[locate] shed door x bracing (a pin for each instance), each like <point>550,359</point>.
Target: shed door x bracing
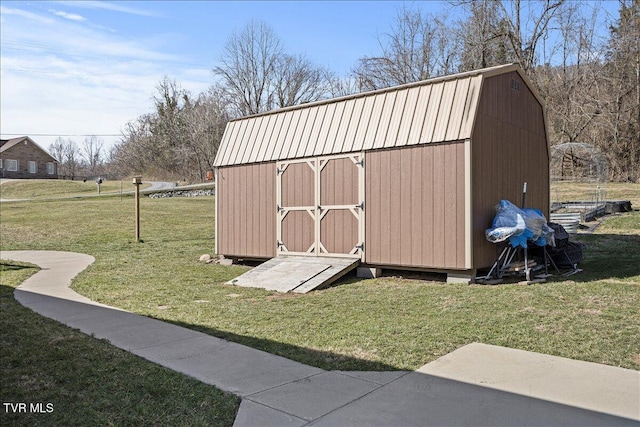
<point>320,204</point>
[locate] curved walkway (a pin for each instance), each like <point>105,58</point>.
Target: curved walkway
<point>475,385</point>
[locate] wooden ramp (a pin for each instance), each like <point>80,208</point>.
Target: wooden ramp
<point>299,274</point>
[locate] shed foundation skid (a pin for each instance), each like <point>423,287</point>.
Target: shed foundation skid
<point>368,272</point>
<point>463,278</point>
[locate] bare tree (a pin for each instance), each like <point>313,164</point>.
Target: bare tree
<point>622,106</point>
<point>526,24</point>
<point>572,88</point>
<point>179,140</point>
<point>298,81</point>
<point>56,148</point>
<point>257,75</point>
<point>205,122</point>
<point>92,154</point>
<point>136,151</point>
<point>482,35</point>
<point>417,47</point>
<point>247,67</point>
<point>343,86</point>
<point>502,31</point>
<point>67,153</point>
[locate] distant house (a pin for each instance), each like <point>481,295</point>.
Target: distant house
<point>23,158</point>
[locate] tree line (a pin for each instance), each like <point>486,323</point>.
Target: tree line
<point>84,161</point>
<point>588,77</point>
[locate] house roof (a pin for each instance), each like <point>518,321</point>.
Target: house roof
<point>430,111</point>
<point>6,144</point>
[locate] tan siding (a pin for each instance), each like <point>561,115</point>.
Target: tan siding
<point>298,231</point>
<point>246,211</point>
<point>373,212</point>
<point>339,183</point>
<point>418,218</point>
<point>509,148</point>
<point>414,216</point>
<point>426,204</point>
<point>298,191</point>
<point>390,189</point>
<point>461,214</point>
<point>439,213</point>
<point>298,186</point>
<point>339,231</point>
<point>405,199</point>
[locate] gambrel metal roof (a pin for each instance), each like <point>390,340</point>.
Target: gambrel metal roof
<point>429,111</point>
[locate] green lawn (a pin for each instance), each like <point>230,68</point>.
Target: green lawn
<point>82,381</point>
<point>380,324</point>
<point>573,191</point>
<point>39,189</point>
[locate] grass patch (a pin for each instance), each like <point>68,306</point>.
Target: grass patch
<point>83,381</point>
<point>619,224</point>
<point>581,191</point>
<point>53,188</point>
<point>381,324</point>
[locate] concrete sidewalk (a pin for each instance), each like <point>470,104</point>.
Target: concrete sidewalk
<point>475,385</point>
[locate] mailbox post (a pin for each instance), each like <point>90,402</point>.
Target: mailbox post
<point>137,180</point>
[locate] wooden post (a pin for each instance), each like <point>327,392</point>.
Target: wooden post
<point>137,180</point>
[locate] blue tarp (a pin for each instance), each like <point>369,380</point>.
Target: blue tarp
<point>519,226</point>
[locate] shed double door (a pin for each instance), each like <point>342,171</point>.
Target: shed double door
<point>320,206</point>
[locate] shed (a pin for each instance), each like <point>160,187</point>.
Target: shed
<point>23,158</point>
<point>406,177</point>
